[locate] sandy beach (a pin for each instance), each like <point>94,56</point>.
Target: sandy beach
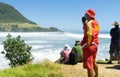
<point>105,70</point>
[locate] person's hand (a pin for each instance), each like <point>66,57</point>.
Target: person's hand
<point>83,19</point>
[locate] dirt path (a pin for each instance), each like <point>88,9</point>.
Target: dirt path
<point>105,70</point>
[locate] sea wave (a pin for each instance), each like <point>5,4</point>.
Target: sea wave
<point>40,46</point>
<point>1,47</point>
<point>51,54</point>
<point>49,44</point>
<point>35,41</point>
<point>49,34</point>
<point>104,36</point>
<point>81,35</point>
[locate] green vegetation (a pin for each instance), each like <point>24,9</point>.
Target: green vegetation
<point>24,27</point>
<point>10,14</point>
<point>12,20</point>
<point>17,51</point>
<point>50,69</point>
<point>44,69</point>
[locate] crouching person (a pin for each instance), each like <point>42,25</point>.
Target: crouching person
<point>65,54</point>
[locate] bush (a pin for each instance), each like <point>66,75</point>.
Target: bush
<point>17,51</point>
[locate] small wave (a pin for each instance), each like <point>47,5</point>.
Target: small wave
<point>1,47</point>
<point>81,35</point>
<point>40,46</point>
<point>104,36</point>
<point>49,34</point>
<point>74,35</point>
<point>31,34</point>
<point>35,41</point>
<point>51,54</point>
<point>3,62</point>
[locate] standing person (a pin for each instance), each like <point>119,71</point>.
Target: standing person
<point>115,42</point>
<point>90,42</point>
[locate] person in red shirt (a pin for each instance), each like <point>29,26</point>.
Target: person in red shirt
<point>90,42</point>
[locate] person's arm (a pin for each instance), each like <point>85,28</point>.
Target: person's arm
<point>62,54</point>
<point>83,20</point>
<point>84,28</point>
<point>111,32</point>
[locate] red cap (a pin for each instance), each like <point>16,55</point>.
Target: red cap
<point>91,13</point>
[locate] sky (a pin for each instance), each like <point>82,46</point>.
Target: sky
<point>66,14</point>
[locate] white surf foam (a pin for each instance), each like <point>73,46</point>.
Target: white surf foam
<point>52,53</point>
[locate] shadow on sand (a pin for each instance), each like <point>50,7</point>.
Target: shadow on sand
<point>114,67</point>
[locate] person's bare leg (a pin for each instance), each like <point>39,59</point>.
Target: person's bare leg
<point>118,58</point>
<point>111,56</point>
<point>90,73</point>
<point>95,68</point>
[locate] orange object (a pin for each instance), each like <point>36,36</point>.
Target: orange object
<point>91,13</point>
<point>89,57</point>
<point>90,43</point>
<point>91,31</point>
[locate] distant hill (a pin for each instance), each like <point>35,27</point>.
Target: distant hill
<point>10,14</point>
<point>12,20</point>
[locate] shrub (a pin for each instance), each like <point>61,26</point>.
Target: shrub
<point>17,51</point>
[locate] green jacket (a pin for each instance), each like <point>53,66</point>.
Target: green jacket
<point>79,52</point>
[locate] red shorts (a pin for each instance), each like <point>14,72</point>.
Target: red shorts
<point>89,56</point>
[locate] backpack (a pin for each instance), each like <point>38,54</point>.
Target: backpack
<point>73,58</point>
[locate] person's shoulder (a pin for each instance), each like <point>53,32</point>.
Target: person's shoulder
<point>95,22</point>
<point>62,51</point>
<point>74,47</point>
<point>77,46</point>
<point>112,29</point>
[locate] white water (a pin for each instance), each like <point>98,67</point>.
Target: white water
<point>48,45</point>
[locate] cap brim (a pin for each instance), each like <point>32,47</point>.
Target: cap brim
<point>90,15</point>
<point>115,25</point>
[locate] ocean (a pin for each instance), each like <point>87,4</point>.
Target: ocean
<point>48,45</point>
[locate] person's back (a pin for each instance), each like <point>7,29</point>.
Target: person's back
<point>65,54</point>
<point>78,50</point>
<point>115,35</point>
<point>73,58</point>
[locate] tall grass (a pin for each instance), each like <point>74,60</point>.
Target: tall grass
<point>44,69</point>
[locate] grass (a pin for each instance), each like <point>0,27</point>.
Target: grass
<point>44,69</point>
<point>50,69</point>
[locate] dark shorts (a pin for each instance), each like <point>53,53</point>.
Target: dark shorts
<point>114,48</point>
